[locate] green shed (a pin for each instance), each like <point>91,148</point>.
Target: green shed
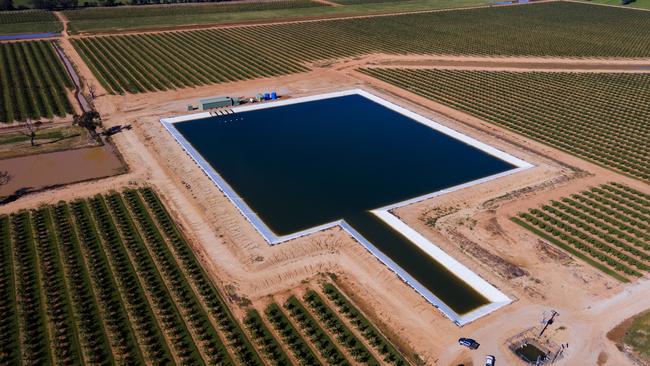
<point>218,102</point>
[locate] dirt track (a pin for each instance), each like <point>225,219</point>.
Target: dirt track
<point>491,63</point>
<point>327,2</point>
<point>518,65</point>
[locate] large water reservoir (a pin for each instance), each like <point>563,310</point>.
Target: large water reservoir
<point>302,165</point>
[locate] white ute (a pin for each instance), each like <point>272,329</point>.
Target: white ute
<point>489,360</point>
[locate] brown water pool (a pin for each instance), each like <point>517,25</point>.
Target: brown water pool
<point>62,167</point>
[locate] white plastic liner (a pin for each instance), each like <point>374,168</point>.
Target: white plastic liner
<point>496,298</point>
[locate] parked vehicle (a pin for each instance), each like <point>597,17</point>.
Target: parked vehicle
<point>469,343</point>
<point>489,360</point>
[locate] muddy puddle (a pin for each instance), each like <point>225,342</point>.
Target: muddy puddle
<point>63,167</point>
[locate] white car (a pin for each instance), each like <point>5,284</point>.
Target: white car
<point>489,360</point>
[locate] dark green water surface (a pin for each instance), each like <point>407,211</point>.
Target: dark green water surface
<point>306,164</point>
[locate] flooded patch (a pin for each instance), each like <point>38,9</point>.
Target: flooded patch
<point>64,167</point>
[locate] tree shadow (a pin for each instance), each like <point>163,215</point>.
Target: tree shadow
<point>58,140</point>
<point>15,196</point>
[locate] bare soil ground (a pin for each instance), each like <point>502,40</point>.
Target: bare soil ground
<point>478,233</point>
<point>494,63</point>
<point>517,65</point>
<point>327,2</point>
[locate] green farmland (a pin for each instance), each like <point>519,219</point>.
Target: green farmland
<point>638,335</point>
<point>606,226</point>
<point>633,335</point>
<point>143,17</point>
<point>33,82</point>
<point>107,20</point>
<point>598,117</point>
<point>315,327</point>
<point>109,280</point>
<point>140,63</point>
<point>639,4</point>
<point>146,62</point>
<point>28,21</point>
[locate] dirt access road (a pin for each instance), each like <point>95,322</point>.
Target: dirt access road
<point>492,63</point>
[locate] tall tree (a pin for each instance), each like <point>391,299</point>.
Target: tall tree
<point>31,127</point>
<point>89,120</point>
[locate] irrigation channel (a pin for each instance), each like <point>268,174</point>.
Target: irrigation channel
<point>26,36</point>
<point>347,159</point>
<point>83,103</point>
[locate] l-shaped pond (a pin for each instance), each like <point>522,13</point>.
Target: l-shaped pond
<point>305,164</point>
